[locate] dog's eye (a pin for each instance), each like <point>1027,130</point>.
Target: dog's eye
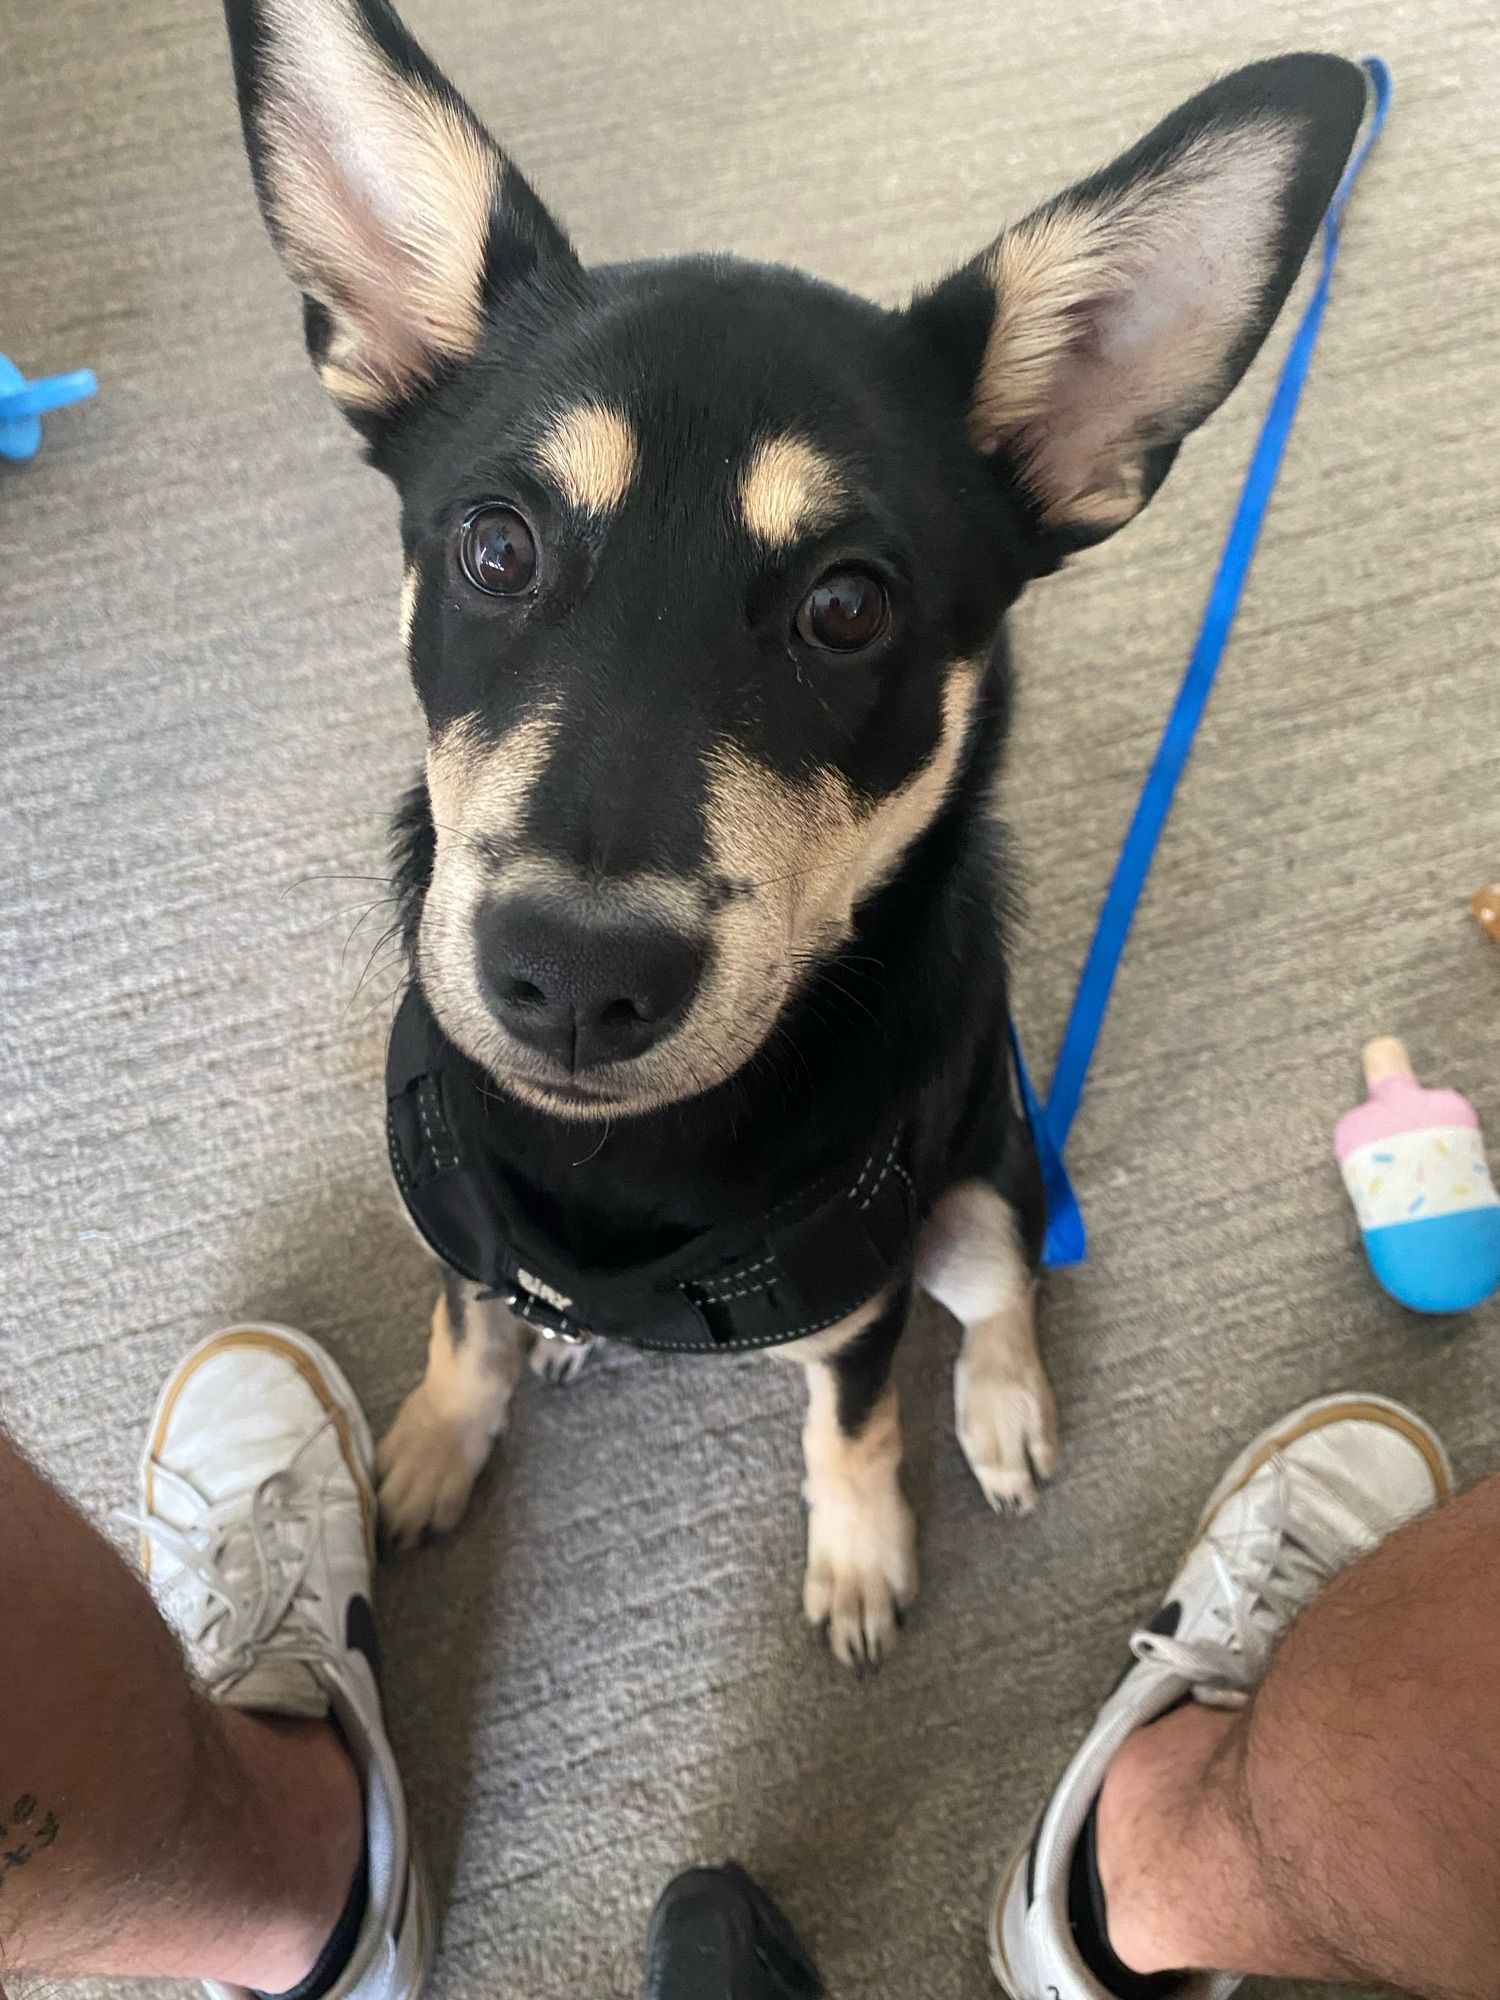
<point>498,552</point>
<point>844,613</point>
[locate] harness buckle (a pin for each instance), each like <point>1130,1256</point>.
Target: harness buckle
<point>549,1320</point>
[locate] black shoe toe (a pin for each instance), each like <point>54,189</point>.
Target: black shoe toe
<point>715,1935</point>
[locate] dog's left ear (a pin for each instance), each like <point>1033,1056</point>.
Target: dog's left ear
<point>1118,316</point>
<point>394,210</point>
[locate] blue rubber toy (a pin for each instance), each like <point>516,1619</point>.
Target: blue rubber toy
<point>23,404</point>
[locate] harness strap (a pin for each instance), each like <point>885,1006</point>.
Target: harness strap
<point>777,1277</point>
<point>1066,1239</point>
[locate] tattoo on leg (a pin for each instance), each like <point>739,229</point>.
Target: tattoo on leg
<point>25,1832</point>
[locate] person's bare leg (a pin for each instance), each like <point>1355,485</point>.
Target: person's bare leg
<point>1277,1781</point>
<point>144,1831</point>
<point>1345,1824</point>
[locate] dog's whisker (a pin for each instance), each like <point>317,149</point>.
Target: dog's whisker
<point>792,875</point>
<point>361,911</point>
<point>378,1003</point>
<point>831,985</point>
<point>308,881</point>
<point>364,917</point>
<point>386,938</point>
<point>599,1146</point>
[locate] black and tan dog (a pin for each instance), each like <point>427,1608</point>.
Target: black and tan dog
<point>706,569</point>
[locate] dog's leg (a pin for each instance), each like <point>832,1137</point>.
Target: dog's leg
<point>430,1457</point>
<point>971,1261</point>
<point>861,1537</point>
<point>560,1361</point>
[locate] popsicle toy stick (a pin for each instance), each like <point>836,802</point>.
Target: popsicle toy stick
<point>1485,903</point>
<point>1383,1057</point>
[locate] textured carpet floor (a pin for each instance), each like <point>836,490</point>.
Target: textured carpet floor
<point>204,720</point>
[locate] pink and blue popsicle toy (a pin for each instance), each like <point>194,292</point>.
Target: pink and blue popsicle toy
<point>1413,1162</point>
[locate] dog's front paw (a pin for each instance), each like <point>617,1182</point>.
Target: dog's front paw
<point>560,1362</point>
<point>861,1574</point>
<point>1007,1420</point>
<point>426,1465</point>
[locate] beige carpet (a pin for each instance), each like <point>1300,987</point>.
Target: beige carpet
<point>204,720</point>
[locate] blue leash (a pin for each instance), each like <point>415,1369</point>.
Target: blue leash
<point>1067,1240</point>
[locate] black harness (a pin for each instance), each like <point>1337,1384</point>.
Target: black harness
<point>780,1276</point>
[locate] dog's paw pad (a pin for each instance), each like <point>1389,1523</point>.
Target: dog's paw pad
<point>560,1362</point>
<point>1007,1428</point>
<point>425,1467</point>
<point>861,1576</point>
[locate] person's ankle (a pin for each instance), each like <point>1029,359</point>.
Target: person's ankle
<point>310,1836</point>
<point>1152,1803</point>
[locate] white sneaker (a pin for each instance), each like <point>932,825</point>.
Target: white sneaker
<point>258,1539</point>
<point>1296,1507</point>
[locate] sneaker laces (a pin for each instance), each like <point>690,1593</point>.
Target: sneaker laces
<point>242,1592</point>
<point>1265,1573</point>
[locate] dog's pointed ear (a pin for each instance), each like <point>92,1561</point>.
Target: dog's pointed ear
<point>1114,319</point>
<point>395,212</point>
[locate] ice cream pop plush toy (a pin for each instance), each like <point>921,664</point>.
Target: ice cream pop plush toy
<point>1414,1165</point>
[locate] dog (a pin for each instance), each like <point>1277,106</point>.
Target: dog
<point>706,572</point>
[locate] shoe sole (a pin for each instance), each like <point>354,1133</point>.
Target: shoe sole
<point>422,1916</point>
<point>318,1370</point>
<point>994,1930</point>
<point>1313,1416</point>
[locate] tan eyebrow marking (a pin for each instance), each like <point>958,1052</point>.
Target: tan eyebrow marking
<point>591,452</point>
<point>787,488</point>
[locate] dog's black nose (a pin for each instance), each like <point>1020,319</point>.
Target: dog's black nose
<point>583,992</point>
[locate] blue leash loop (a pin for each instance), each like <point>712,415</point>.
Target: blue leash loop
<point>1066,1239</point>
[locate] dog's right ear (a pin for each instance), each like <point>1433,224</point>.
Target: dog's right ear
<point>394,210</point>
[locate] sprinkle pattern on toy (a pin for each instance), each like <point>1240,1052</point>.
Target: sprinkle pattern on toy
<point>1438,1172</point>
